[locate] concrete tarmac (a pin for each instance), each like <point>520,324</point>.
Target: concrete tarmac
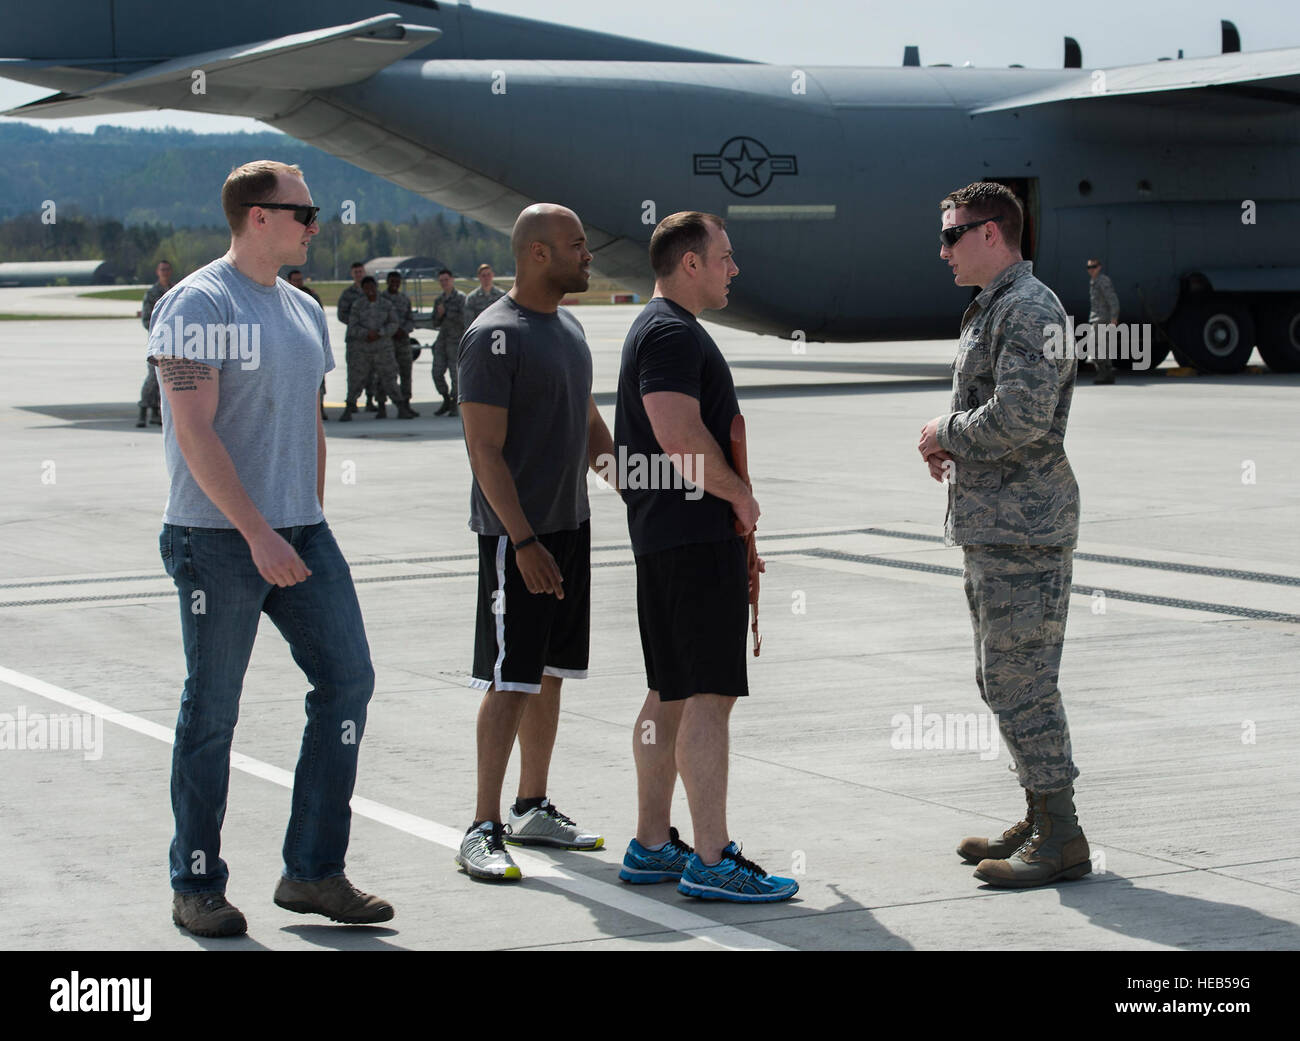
<point>860,760</point>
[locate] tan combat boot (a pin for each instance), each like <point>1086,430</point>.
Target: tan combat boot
<point>973,850</point>
<point>1057,851</point>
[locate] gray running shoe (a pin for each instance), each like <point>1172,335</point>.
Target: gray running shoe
<point>483,855</point>
<point>547,826</point>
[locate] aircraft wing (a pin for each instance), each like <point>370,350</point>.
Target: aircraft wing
<point>1242,81</point>
<point>261,76</point>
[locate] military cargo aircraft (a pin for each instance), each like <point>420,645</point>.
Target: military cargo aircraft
<point>1181,175</point>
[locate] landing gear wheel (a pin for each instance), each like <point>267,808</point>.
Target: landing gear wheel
<point>1278,322</point>
<point>1213,333</point>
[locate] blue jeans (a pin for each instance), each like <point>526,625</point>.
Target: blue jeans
<point>222,599</point>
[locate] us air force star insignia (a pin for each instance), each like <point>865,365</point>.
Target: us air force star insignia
<point>745,166</point>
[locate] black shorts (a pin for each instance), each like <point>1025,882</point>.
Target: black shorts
<point>693,606</point>
<point>521,636</point>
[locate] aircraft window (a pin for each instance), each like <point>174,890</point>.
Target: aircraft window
<point>432,5</point>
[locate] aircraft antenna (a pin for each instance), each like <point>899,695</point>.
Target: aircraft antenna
<point>1231,38</point>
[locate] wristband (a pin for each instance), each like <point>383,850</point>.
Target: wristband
<point>525,542</point>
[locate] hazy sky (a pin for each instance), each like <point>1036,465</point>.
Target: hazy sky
<point>854,32</point>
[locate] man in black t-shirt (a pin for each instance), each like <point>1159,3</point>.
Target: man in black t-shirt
<point>685,502</point>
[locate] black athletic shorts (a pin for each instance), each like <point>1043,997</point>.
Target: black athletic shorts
<point>521,636</point>
<point>693,606</point>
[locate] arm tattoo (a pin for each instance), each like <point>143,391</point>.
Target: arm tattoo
<point>184,374</point>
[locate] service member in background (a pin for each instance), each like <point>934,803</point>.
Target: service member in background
<point>449,320</point>
<point>1013,507</point>
<point>150,396</point>
<point>371,362</point>
<point>347,298</point>
<point>1103,311</point>
<point>401,304</point>
<point>532,431</point>
<point>244,534</point>
<point>294,279</point>
<point>676,401</point>
<point>484,296</point>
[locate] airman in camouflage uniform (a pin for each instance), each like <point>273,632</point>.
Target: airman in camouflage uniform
<point>150,403</point>
<point>1103,309</point>
<point>483,297</point>
<point>1013,505</point>
<point>371,324</point>
<point>449,320</point>
<point>347,298</point>
<point>402,337</point>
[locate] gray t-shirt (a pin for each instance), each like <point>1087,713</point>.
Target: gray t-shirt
<point>271,345</point>
<point>537,366</point>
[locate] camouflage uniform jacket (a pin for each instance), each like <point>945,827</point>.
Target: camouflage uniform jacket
<point>347,298</point>
<point>478,301</point>
<point>1012,484</point>
<point>402,308</point>
<point>451,326</point>
<point>365,317</point>
<point>151,298</point>
<point>1103,304</point>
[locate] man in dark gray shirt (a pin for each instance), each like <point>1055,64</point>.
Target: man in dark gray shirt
<point>532,429</point>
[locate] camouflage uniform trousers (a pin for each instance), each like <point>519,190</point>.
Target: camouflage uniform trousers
<point>1019,597</point>
<point>446,355</point>
<point>372,359</point>
<point>1097,355</point>
<point>402,353</point>
<point>150,394</point>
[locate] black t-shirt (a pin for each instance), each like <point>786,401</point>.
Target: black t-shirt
<point>667,349</point>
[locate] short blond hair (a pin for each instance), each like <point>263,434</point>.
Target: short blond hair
<point>253,182</point>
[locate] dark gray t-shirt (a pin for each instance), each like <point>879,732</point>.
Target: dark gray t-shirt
<point>271,345</point>
<point>537,366</point>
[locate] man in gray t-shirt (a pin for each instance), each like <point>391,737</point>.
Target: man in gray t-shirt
<point>240,355</point>
<point>532,429</point>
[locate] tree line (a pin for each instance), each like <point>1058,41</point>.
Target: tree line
<point>132,251</point>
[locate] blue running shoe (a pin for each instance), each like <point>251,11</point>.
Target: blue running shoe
<point>733,878</point>
<point>641,865</point>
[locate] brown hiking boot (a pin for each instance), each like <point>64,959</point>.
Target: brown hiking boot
<point>334,897</point>
<point>972,850</point>
<point>207,914</point>
<point>1057,852</point>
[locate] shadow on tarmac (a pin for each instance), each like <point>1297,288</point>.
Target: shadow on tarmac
<point>1186,922</point>
<point>787,923</point>
<point>346,937</point>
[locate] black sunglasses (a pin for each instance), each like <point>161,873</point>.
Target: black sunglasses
<point>951,236</point>
<point>304,215</point>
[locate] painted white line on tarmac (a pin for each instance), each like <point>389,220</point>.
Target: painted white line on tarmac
<point>618,897</point>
